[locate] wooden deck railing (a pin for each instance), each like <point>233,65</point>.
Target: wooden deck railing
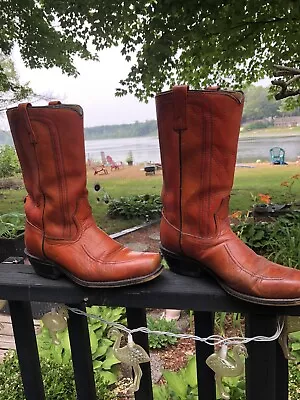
<point>266,368</point>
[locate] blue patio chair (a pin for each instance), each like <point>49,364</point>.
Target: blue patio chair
<point>277,155</point>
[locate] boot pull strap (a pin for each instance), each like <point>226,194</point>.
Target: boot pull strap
<point>54,103</point>
<point>24,113</point>
<point>179,94</point>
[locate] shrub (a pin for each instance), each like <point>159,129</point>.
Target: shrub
<point>279,241</point>
<point>12,225</point>
<point>9,163</point>
<point>160,341</point>
<point>146,207</point>
<point>294,380</point>
<point>182,385</point>
<point>58,381</point>
<point>257,125</point>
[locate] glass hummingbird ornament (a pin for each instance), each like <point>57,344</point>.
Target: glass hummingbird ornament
<point>224,365</point>
<point>2,305</point>
<point>291,324</point>
<point>131,354</point>
<point>56,321</point>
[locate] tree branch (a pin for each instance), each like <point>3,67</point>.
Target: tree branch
<point>294,75</point>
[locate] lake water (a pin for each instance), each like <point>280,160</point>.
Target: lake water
<point>146,149</point>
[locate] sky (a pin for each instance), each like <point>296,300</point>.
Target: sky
<point>93,89</point>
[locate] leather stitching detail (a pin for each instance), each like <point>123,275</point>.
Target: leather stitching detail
<point>246,271</point>
<point>185,233</point>
<point>103,261</point>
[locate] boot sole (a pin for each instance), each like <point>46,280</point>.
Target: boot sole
<point>189,267</point>
<point>51,270</point>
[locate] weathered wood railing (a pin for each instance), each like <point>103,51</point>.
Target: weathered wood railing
<point>266,368</point>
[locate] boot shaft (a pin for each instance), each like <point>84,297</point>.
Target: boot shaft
<point>50,145</point>
<point>198,135</point>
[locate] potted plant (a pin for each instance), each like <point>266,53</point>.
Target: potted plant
<point>12,227</point>
<point>272,210</point>
<point>129,158</point>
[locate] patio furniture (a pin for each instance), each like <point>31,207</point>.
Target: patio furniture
<point>113,165</point>
<point>277,155</point>
<point>99,169</point>
<point>103,158</point>
<point>149,170</point>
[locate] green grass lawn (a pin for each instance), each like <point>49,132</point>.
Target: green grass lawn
<point>265,180</point>
<point>247,180</point>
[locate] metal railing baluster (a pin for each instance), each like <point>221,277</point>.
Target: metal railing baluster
<point>282,375</point>
<point>81,355</point>
<point>27,351</point>
<point>261,363</point>
<point>204,327</point>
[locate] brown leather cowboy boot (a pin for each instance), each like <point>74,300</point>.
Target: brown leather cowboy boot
<point>61,235</point>
<point>198,133</point>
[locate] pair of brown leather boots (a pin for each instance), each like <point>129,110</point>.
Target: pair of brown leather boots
<point>198,133</point>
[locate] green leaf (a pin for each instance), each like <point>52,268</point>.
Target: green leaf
<point>190,374</point>
<point>97,364</point>
<point>101,350</point>
<point>109,362</point>
<point>93,340</point>
<point>161,392</point>
<point>109,377</point>
<point>176,384</point>
<point>295,336</point>
<point>296,346</point>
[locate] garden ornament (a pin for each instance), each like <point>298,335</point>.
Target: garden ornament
<point>198,135</point>
<point>225,366</point>
<point>291,325</point>
<point>132,354</point>
<point>56,321</point>
<point>61,235</point>
<point>2,305</point>
<point>102,194</point>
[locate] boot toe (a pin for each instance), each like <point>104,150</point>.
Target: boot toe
<point>284,283</point>
<point>132,264</point>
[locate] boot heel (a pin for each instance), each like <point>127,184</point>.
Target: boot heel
<point>44,268</point>
<point>183,265</point>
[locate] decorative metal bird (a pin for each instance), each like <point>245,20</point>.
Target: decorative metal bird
<point>56,321</point>
<point>291,324</point>
<point>224,365</point>
<point>132,354</point>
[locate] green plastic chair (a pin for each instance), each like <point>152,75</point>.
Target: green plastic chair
<point>277,155</point>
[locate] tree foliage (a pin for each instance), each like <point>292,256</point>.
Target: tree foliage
<point>167,41</point>
<point>9,163</point>
<point>140,129</point>
<point>257,104</point>
<point>11,90</point>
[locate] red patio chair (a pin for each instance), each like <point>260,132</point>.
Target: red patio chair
<point>113,164</point>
